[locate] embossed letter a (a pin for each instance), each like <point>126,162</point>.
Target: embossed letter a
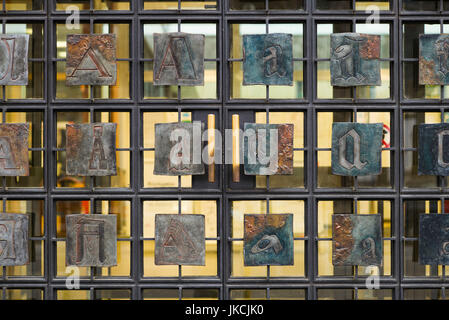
<point>177,56</point>
<point>441,135</point>
<point>342,151</point>
<point>6,155</point>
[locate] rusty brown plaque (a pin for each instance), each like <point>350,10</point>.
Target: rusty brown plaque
<point>13,239</point>
<point>91,149</point>
<point>14,59</point>
<point>91,59</point>
<point>14,149</point>
<point>91,240</point>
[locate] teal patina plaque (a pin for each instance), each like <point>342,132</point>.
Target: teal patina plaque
<point>434,239</point>
<point>268,59</point>
<point>356,239</point>
<point>178,59</point>
<point>268,149</point>
<point>356,148</point>
<point>268,239</point>
<point>355,60</point>
<point>433,149</point>
<point>434,59</point>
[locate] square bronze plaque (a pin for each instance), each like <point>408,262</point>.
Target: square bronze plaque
<point>91,149</point>
<point>13,239</point>
<point>91,60</point>
<point>434,59</point>
<point>14,149</point>
<point>433,149</point>
<point>91,240</point>
<point>14,59</point>
<point>180,239</point>
<point>268,239</point>
<point>355,60</point>
<point>268,149</point>
<point>178,149</point>
<point>178,59</point>
<point>357,239</point>
<point>434,239</point>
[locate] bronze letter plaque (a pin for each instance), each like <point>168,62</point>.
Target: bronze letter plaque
<point>178,149</point>
<point>180,239</point>
<point>91,149</point>
<point>13,239</point>
<point>14,59</point>
<point>434,59</point>
<point>91,240</point>
<point>91,60</point>
<point>178,59</point>
<point>14,149</point>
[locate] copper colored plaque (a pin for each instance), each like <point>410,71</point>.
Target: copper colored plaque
<point>91,59</point>
<point>14,149</point>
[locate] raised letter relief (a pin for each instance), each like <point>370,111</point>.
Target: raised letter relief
<point>91,240</point>
<point>268,239</point>
<point>178,59</point>
<point>180,239</point>
<point>13,239</point>
<point>91,149</point>
<point>356,148</point>
<point>268,59</point>
<point>355,60</point>
<point>434,239</point>
<point>178,149</point>
<point>91,59</point>
<point>433,149</point>
<point>356,239</point>
<point>14,149</point>
<point>434,59</point>
<point>14,59</point>
<point>268,149</point>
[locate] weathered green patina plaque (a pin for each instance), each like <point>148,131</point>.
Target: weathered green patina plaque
<point>356,239</point>
<point>433,149</point>
<point>268,239</point>
<point>434,239</point>
<point>434,59</point>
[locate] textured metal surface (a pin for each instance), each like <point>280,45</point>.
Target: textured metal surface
<point>259,140</point>
<point>180,239</point>
<point>178,59</point>
<point>268,59</point>
<point>91,59</point>
<point>434,59</point>
<point>14,59</point>
<point>433,149</point>
<point>356,239</point>
<point>91,149</point>
<point>356,148</point>
<point>91,240</point>
<point>178,148</point>
<point>14,239</point>
<point>268,239</point>
<point>434,239</point>
<point>355,60</point>
<point>14,149</point>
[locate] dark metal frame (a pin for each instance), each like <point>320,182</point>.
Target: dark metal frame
<point>224,191</point>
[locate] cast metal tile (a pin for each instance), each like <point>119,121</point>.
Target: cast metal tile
<point>356,148</point>
<point>433,149</point>
<point>356,239</point>
<point>178,148</point>
<point>434,239</point>
<point>268,239</point>
<point>91,149</point>
<point>91,240</point>
<point>434,59</point>
<point>178,59</point>
<point>268,59</point>
<point>13,239</point>
<point>14,59</point>
<point>180,239</point>
<point>268,149</point>
<point>355,60</point>
<point>91,60</point>
<point>14,149</point>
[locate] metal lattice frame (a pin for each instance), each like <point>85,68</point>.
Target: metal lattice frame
<point>224,191</point>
